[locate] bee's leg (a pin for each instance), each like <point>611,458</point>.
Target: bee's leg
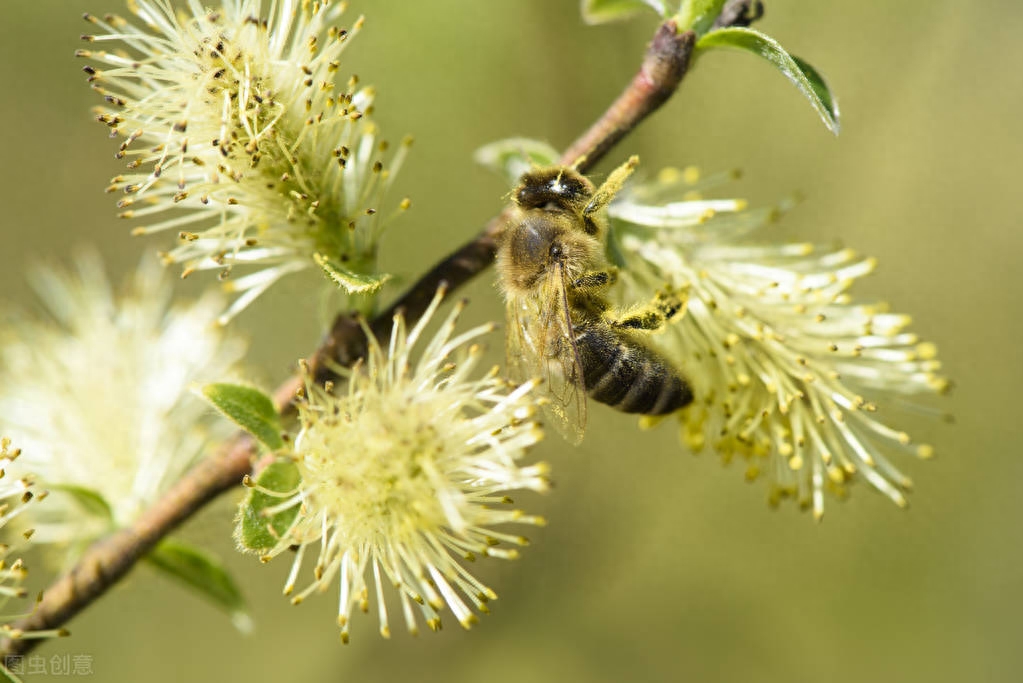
<point>596,280</point>
<point>671,302</point>
<point>666,306</point>
<point>606,192</point>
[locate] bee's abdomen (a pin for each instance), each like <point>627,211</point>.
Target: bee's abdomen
<point>629,376</point>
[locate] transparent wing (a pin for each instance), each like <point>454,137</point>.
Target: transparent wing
<point>541,343</point>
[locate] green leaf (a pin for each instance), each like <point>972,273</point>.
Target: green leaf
<point>804,76</point>
<point>603,11</point>
<point>203,573</point>
<point>250,409</point>
<point>698,15</point>
<point>511,157</point>
<point>254,522</point>
<point>350,281</point>
<point>91,502</point>
<point>821,89</point>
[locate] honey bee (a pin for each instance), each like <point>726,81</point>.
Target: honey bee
<point>561,325</point>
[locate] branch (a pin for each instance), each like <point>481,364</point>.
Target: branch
<point>104,563</point>
<point>659,76</point>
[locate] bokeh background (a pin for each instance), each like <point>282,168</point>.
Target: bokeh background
<point>656,565</point>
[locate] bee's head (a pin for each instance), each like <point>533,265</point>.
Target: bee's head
<point>554,188</point>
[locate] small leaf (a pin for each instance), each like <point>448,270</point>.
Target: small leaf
<point>603,11</point>
<point>804,76</point>
<point>91,502</point>
<point>250,409</point>
<point>203,573</point>
<point>698,15</point>
<point>511,157</point>
<point>350,281</point>
<point>255,529</point>
<point>820,88</point>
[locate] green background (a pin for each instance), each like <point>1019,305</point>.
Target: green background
<point>656,565</point>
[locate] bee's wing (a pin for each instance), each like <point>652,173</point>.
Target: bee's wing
<point>541,343</point>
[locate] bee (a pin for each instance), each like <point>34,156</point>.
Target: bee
<point>555,276</point>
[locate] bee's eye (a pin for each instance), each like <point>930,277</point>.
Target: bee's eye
<point>556,251</point>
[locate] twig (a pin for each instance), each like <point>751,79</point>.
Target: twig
<point>104,563</point>
<point>663,67</point>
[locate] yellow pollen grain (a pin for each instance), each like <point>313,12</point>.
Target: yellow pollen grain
<point>695,441</point>
<point>668,175</point>
<point>649,421</point>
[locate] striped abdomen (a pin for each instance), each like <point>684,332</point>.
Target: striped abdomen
<point>627,375</point>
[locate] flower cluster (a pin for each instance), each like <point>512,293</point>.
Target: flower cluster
<point>407,471</point>
<point>241,141</point>
<point>17,495</point>
<point>785,364</point>
<point>98,396</point>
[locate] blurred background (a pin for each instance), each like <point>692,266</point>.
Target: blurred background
<point>656,565</point>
